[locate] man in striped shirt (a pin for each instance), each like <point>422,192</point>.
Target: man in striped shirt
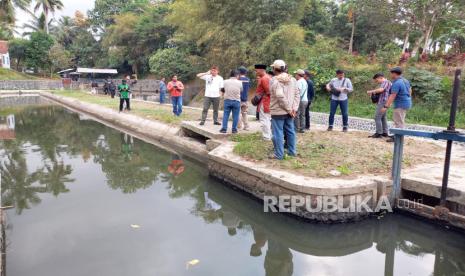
<point>380,116</point>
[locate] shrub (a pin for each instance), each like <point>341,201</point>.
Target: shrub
<point>428,86</point>
<point>167,62</point>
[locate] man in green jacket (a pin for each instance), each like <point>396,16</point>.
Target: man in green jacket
<point>124,91</point>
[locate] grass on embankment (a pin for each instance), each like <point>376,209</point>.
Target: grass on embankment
<point>162,113</point>
<point>361,106</point>
<point>9,74</point>
<point>321,152</point>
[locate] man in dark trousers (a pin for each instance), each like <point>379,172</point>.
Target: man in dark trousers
<point>310,97</point>
<point>123,90</point>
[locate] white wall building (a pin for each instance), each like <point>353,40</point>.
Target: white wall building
<point>4,55</point>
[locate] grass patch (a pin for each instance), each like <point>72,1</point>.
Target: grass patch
<point>9,74</point>
<point>321,152</point>
<point>361,106</point>
<point>151,111</point>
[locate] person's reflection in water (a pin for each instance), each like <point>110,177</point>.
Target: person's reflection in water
<point>259,237</point>
<point>176,167</point>
<point>278,260</point>
<point>231,221</point>
<point>127,143</point>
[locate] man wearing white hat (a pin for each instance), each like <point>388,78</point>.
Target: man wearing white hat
<point>284,104</point>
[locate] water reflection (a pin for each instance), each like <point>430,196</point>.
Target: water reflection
<point>43,160</point>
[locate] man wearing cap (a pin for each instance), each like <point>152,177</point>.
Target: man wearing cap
<point>302,86</point>
<point>284,103</point>
<point>263,89</point>
<point>310,96</point>
<point>124,95</point>
<point>400,96</point>
<point>339,87</point>
<point>380,117</point>
<point>213,85</point>
<point>244,96</point>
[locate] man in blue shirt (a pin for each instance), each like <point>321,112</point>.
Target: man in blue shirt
<point>162,89</point>
<point>401,96</point>
<point>244,96</point>
<point>310,96</point>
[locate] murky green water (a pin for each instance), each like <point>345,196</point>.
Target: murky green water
<point>90,200</point>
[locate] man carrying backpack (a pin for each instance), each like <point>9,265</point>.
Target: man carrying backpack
<point>339,87</point>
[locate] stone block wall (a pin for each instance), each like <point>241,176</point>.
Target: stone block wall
<point>30,84</point>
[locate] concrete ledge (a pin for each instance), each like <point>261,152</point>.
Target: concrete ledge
<point>259,180</point>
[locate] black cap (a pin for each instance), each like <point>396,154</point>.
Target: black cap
<point>242,70</point>
<point>339,71</point>
<point>260,66</point>
<point>377,75</point>
<point>307,73</point>
<point>396,70</point>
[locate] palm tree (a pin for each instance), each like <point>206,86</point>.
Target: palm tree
<point>47,7</point>
<point>36,24</point>
<point>7,12</point>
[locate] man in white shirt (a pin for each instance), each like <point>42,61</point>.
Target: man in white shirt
<point>303,87</point>
<point>213,85</point>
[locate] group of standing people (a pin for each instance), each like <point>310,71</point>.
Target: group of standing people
<point>284,101</point>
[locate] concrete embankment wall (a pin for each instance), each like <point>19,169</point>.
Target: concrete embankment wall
<point>30,84</point>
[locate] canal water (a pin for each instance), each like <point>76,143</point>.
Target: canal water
<point>90,200</point>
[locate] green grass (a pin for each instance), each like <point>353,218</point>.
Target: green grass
<point>146,110</point>
<point>8,74</point>
<point>321,152</point>
<point>361,106</point>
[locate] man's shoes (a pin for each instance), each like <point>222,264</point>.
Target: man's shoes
<point>217,124</point>
<point>385,135</point>
<point>223,130</point>
<point>376,136</point>
<point>234,131</point>
<point>345,129</point>
<point>301,131</point>
<point>330,128</point>
<point>202,123</point>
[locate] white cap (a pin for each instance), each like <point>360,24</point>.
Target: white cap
<point>278,63</point>
<point>300,72</point>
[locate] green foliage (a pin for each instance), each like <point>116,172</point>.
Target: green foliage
<point>389,54</point>
<point>37,50</point>
<point>427,86</point>
<point>167,62</point>
<point>287,43</point>
<point>17,49</point>
<point>59,58</point>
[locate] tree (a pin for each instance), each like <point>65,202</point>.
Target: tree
<point>36,24</point>
<point>17,49</point>
<point>48,6</point>
<point>59,58</point>
<point>37,50</point>
<point>232,34</point>
<point>168,62</point>
<point>105,12</point>
<point>133,38</point>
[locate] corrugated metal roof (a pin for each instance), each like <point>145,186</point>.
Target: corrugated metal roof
<point>96,70</point>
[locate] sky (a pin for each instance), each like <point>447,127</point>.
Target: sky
<point>70,6</point>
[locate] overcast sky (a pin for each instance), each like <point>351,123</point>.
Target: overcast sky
<point>70,6</point>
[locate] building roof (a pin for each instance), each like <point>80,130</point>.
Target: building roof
<point>3,47</point>
<point>97,71</point>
